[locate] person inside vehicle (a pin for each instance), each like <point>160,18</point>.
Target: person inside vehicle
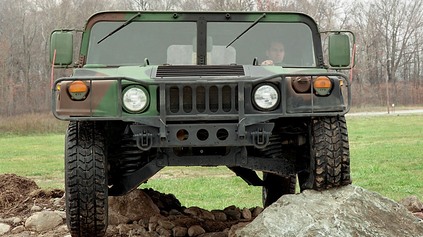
<point>275,54</point>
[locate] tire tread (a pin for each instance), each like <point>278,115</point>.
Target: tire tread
<point>86,181</point>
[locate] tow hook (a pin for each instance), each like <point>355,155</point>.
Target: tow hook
<point>260,138</point>
<point>144,140</point>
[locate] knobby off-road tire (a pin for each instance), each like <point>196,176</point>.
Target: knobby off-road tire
<point>329,160</point>
<point>86,180</point>
<point>276,186</point>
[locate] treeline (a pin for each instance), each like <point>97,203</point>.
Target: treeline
<point>389,60</point>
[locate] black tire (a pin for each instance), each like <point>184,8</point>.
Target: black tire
<point>329,158</point>
<point>86,180</point>
<point>276,186</point>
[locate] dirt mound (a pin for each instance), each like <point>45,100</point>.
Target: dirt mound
<point>14,190</point>
<point>18,194</point>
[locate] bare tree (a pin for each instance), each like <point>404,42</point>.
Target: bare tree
<point>396,25</point>
<point>191,5</point>
<point>389,34</point>
<point>384,28</point>
<point>140,4</point>
<point>233,5</point>
<point>146,5</point>
<point>19,37</point>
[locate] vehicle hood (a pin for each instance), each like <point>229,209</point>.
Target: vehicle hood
<point>196,72</point>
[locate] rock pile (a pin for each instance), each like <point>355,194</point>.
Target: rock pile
<point>347,211</point>
<point>140,213</point>
<point>150,213</point>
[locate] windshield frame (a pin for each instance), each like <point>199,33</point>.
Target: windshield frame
<point>201,19</point>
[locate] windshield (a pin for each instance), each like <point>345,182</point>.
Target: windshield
<point>285,44</point>
<point>140,40</point>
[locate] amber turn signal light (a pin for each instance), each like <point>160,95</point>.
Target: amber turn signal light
<point>78,90</point>
<point>322,85</point>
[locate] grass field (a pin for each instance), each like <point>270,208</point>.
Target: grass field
<point>387,154</point>
<point>386,157</point>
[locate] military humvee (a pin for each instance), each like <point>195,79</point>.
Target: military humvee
<point>157,89</point>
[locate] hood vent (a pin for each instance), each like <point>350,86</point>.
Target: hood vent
<point>199,70</point>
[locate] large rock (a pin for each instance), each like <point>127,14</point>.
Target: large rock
<point>346,211</point>
<point>133,206</point>
<point>43,221</point>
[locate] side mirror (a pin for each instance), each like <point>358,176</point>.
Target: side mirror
<point>340,51</point>
<point>61,48</point>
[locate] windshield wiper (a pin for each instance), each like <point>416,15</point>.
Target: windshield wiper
<point>245,31</point>
<point>120,27</point>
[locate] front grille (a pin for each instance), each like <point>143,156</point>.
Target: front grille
<point>200,70</point>
<point>202,99</point>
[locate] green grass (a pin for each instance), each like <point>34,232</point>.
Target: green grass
<point>386,157</point>
<point>387,154</point>
<point>209,192</point>
<point>39,157</point>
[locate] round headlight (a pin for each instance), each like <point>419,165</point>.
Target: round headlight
<point>266,96</point>
<point>135,99</point>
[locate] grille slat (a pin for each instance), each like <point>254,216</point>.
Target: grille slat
<point>202,99</point>
<point>200,70</point>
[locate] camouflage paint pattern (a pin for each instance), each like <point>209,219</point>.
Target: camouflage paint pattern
<point>106,83</point>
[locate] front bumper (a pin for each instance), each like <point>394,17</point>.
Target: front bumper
<point>202,135</point>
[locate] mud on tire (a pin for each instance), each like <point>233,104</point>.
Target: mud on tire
<point>329,159</point>
<point>86,179</point>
